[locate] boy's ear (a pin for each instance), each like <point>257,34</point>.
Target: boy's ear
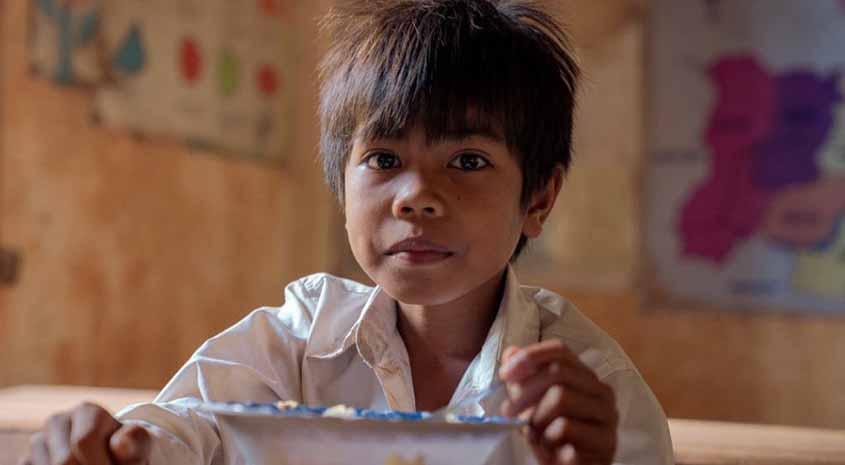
<point>541,205</point>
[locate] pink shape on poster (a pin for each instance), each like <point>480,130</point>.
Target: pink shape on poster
<point>728,207</point>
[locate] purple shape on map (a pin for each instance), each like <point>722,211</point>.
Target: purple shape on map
<point>803,119</point>
<point>728,207</point>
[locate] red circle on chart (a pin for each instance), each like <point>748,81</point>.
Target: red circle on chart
<point>191,60</point>
<point>268,80</point>
<point>269,7</point>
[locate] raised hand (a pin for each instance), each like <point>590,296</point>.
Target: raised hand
<point>571,413</point>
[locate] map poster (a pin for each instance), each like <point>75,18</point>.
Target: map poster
<point>216,73</point>
<point>745,174</point>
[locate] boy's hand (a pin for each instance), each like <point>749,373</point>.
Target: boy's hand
<point>571,413</point>
<point>88,435</point>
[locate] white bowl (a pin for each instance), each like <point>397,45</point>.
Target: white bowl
<point>263,436</point>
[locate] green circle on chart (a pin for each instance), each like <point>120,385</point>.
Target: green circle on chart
<point>228,73</point>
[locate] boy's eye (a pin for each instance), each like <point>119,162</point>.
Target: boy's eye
<point>382,161</point>
<point>469,162</point>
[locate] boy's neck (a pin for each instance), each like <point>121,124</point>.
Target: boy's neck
<point>454,330</point>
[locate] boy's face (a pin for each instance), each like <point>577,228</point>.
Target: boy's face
<point>432,222</point>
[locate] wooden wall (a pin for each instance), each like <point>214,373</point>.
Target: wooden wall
<point>136,251</point>
<point>770,368</point>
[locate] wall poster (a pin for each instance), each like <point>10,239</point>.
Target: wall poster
<point>745,178</point>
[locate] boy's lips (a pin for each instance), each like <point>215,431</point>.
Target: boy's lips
<point>419,251</point>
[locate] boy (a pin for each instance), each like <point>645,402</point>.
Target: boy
<point>446,134</point>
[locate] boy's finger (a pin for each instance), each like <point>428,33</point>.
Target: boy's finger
<point>91,427</point>
<point>580,378</point>
<point>558,402</point>
<point>522,396</point>
<point>586,438</point>
<point>528,360</point>
<point>508,353</point>
<point>567,455</point>
<point>543,454</point>
<point>39,454</point>
<point>58,440</point>
<point>576,401</point>
<point>130,445</point>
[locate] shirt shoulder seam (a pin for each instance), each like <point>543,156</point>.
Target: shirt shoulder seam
<point>612,360</point>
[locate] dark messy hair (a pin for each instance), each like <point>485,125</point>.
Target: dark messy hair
<point>455,67</point>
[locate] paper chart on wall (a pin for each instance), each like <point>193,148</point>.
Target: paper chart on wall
<point>746,159</point>
<point>214,72</point>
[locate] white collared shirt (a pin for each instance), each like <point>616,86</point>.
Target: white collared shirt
<point>334,341</point>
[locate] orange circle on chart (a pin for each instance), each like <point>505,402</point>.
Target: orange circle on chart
<point>190,60</point>
<point>268,80</point>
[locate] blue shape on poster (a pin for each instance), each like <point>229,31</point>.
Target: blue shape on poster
<point>64,68</point>
<point>48,7</point>
<point>130,58</point>
<point>88,27</point>
<point>73,30</point>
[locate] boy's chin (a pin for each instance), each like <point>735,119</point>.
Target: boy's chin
<point>420,291</point>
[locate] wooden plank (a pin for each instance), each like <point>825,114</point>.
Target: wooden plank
<point>134,252</point>
<point>26,408</point>
<point>13,446</point>
<point>720,443</point>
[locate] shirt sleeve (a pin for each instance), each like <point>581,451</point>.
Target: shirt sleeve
<point>257,360</point>
<point>643,429</point>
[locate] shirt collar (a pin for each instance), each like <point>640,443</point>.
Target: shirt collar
<point>334,331</point>
<point>521,315</point>
<point>517,323</point>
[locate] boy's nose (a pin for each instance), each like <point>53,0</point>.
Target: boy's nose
<point>418,201</point>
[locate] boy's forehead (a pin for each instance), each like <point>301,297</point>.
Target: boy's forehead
<point>471,126</point>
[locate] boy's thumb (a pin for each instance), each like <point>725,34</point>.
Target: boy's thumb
<point>508,353</point>
<point>130,445</point>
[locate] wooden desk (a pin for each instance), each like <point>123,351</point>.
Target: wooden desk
<point>720,443</point>
<point>25,409</point>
